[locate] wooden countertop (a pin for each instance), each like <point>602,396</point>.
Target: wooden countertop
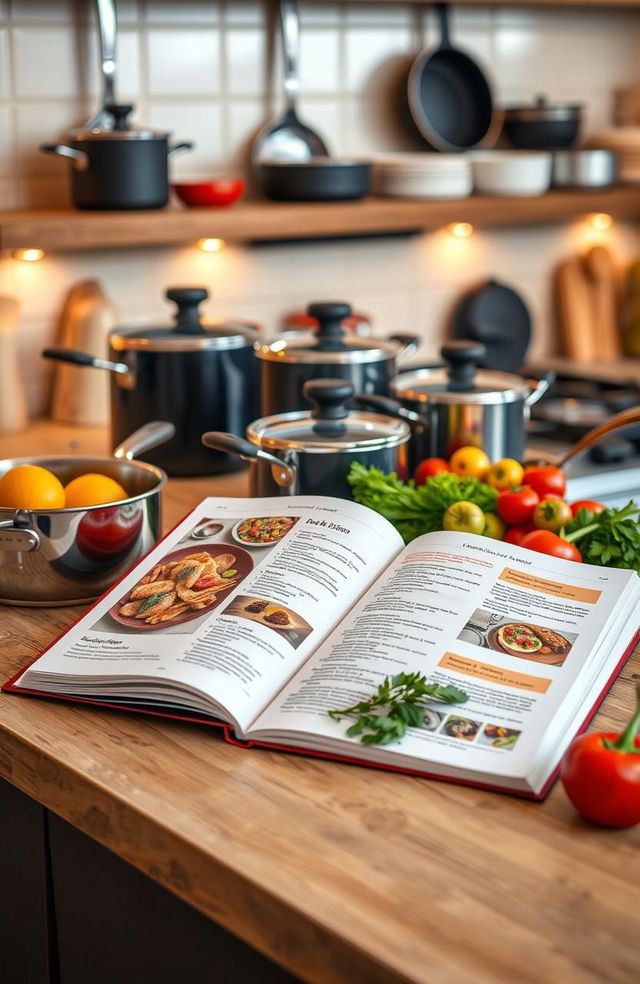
<point>339,873</point>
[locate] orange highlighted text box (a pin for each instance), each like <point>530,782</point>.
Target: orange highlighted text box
<point>494,674</point>
<point>522,579</point>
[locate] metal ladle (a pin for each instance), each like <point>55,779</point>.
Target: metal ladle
<point>102,119</point>
<point>287,138</point>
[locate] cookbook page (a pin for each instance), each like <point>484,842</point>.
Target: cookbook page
<point>512,628</point>
<point>228,605</point>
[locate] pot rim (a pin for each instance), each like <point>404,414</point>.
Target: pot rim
<point>304,351</point>
<point>243,334</point>
<point>405,387</point>
<point>258,434</point>
<point>50,460</point>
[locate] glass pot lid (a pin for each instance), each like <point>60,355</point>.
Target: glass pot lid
<point>121,130</point>
<point>330,425</point>
<point>189,333</point>
<point>460,382</point>
<point>330,343</point>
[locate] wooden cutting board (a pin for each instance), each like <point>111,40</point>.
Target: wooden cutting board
<point>605,301</point>
<point>575,311</point>
<point>13,401</point>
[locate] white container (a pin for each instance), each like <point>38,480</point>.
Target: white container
<point>511,172</point>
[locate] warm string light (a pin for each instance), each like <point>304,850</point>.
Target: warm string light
<point>29,255</point>
<point>600,221</point>
<point>211,245</point>
<point>461,230</point>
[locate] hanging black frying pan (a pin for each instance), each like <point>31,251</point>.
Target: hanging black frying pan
<point>449,96</point>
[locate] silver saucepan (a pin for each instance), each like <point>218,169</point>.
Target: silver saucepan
<point>70,556</point>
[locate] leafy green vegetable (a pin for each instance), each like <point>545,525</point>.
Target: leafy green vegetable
<point>412,509</point>
<point>151,601</point>
<point>399,703</point>
<point>610,538</point>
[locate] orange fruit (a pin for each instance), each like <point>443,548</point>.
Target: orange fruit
<point>93,489</point>
<point>31,487</point>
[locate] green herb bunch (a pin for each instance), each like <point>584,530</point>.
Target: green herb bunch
<point>610,538</point>
<point>399,703</point>
<point>412,509</point>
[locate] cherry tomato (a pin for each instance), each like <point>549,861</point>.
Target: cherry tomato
<point>551,514</point>
<point>593,507</point>
<point>546,542</point>
<point>546,479</point>
<point>429,467</point>
<point>464,517</point>
<point>493,526</point>
<point>505,474</point>
<point>104,534</point>
<point>516,507</point>
<point>516,534</point>
<point>470,462</point>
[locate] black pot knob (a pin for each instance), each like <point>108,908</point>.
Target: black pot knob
<point>120,113</point>
<point>329,398</point>
<point>188,300</point>
<point>329,315</point>
<point>463,358</point>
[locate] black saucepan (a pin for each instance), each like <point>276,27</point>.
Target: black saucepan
<point>196,374</point>
<point>450,99</point>
<point>320,179</point>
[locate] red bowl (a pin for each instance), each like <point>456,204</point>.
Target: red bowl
<point>209,194</point>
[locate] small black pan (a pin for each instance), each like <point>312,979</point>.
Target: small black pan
<point>449,96</point>
<point>320,179</point>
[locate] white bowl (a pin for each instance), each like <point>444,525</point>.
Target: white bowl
<point>511,172</point>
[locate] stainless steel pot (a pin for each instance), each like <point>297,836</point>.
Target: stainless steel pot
<point>70,556</point>
<point>311,451</point>
<point>458,405</point>
<point>584,168</point>
<point>288,363</point>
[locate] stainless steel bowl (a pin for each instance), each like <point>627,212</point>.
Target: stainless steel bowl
<point>584,168</point>
<point>70,556</point>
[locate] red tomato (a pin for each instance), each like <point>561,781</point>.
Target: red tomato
<point>546,542</point>
<point>516,534</point>
<point>516,506</point>
<point>594,507</point>
<point>546,480</point>
<point>104,534</point>
<point>429,467</point>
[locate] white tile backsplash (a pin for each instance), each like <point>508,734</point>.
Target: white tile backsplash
<point>199,69</point>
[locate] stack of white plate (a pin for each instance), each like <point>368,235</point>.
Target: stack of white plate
<point>423,176</point>
<point>625,140</point>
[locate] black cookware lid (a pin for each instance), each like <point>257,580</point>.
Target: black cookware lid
<point>190,331</point>
<point>121,128</point>
<point>495,315</point>
<point>330,343</point>
<point>329,426</point>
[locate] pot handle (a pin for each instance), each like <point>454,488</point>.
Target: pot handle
<point>392,408</point>
<point>539,387</point>
<point>408,344</point>
<point>77,358</point>
<point>78,157</point>
<point>615,423</point>
<point>17,536</point>
<point>185,145</point>
<point>283,475</point>
<point>146,437</point>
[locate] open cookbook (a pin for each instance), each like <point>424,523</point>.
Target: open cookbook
<point>262,615</point>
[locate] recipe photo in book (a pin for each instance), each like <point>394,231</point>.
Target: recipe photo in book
<point>269,613</point>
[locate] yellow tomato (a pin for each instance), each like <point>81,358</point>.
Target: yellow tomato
<point>31,487</point>
<point>493,526</point>
<point>470,462</point>
<point>505,474</point>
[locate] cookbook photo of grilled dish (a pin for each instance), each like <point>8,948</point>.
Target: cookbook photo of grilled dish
<point>272,615</point>
<point>524,640</point>
<point>186,584</point>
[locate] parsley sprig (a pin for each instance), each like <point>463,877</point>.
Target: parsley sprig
<point>399,703</point>
<point>608,539</point>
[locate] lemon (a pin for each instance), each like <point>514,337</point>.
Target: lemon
<point>31,487</point>
<point>93,490</point>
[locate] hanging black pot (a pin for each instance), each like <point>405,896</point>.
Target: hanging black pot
<point>197,375</point>
<point>122,168</point>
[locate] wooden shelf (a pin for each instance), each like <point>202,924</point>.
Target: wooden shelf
<point>253,221</point>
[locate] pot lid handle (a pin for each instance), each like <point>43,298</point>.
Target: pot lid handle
<point>463,358</point>
<point>329,398</point>
<point>187,316</point>
<point>330,315</point>
<point>120,113</point>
